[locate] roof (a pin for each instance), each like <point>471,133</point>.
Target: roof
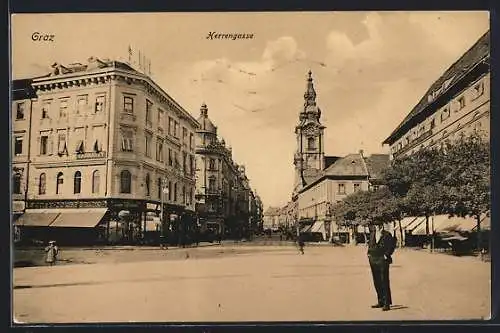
<point>376,163</point>
<point>22,89</point>
<point>350,165</point>
<point>206,125</point>
<point>475,55</point>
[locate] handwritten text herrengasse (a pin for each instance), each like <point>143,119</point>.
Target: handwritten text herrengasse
<point>231,36</point>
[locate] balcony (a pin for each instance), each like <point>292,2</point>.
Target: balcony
<point>90,155</point>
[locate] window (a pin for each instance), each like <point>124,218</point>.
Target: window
<point>175,192</point>
<point>77,184</point>
<point>149,110</point>
<point>478,90</point>
<point>176,160</point>
<point>170,126</point>
<point>79,149</point>
<point>183,194</point>
<point>97,146</point>
<point>211,164</point>
<point>433,123</point>
<point>211,184</point>
<point>159,187</point>
<point>311,143</point>
<point>148,145</point>
<point>128,104</point>
<point>96,178</point>
<point>45,109</point>
<point>170,159</point>
<point>61,145</point>
<point>191,164</point>
<point>191,141</point>
<point>125,181</point>
<point>176,129</point>
<point>169,192</point>
<point>18,146</point>
<point>59,183</point>
<point>148,185</point>
<point>20,110</point>
<point>160,118</point>
<point>461,103</point>
<point>63,108</point>
<point>42,184</point>
<point>445,113</point>
<point>99,103</point>
<point>357,187</point>
<point>81,104</point>
<point>184,162</point>
<point>184,136</point>
<point>159,150</point>
<point>127,140</point>
<point>44,140</point>
<point>341,188</point>
<point>16,186</point>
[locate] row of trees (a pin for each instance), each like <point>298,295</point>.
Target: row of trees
<point>453,179</point>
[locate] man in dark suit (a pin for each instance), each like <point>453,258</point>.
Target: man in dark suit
<point>380,248</point>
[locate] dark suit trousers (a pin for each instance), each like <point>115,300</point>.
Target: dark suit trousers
<point>380,273</point>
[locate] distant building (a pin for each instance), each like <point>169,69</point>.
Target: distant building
<point>347,175</point>
<point>103,138</point>
<point>223,193</point>
<point>271,218</point>
<point>456,104</point>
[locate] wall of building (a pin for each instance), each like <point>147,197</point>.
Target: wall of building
<point>466,112</point>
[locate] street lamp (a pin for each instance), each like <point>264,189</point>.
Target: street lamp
<point>164,190</point>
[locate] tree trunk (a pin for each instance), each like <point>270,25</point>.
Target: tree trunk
<point>401,233</point>
<point>479,243</point>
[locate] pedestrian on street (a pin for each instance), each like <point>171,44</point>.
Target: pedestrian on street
<point>52,251</point>
<point>381,246</point>
<point>301,243</point>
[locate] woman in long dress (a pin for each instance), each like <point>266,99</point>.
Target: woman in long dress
<point>52,252</point>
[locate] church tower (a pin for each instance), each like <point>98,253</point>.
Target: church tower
<point>309,159</point>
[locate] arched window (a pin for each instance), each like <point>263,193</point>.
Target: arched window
<point>42,185</point>
<point>77,183</point>
<point>125,181</point>
<point>60,182</point>
<point>16,183</point>
<point>148,185</point>
<point>96,178</point>
<point>311,143</point>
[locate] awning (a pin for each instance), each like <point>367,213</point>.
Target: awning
<point>406,221</point>
<point>444,224</point>
<point>307,228</point>
<point>79,218</point>
<point>485,223</point>
<point>36,218</point>
<point>317,226</point>
<point>417,227</point>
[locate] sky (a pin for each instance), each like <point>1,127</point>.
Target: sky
<point>369,70</point>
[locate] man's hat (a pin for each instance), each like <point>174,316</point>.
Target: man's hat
<point>52,242</point>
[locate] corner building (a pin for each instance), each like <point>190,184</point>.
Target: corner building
<point>106,138</point>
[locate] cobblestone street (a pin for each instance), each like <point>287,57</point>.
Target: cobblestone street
<point>266,283</point>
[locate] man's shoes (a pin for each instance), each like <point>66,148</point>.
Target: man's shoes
<point>376,306</point>
<point>386,308</point>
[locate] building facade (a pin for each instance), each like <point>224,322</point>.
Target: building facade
<point>456,104</point>
<point>23,96</point>
<point>347,175</point>
<point>223,193</point>
<point>271,219</point>
<point>106,139</point>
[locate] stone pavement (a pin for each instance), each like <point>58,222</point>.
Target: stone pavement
<point>271,284</point>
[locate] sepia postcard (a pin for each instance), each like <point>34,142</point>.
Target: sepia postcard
<point>250,167</point>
